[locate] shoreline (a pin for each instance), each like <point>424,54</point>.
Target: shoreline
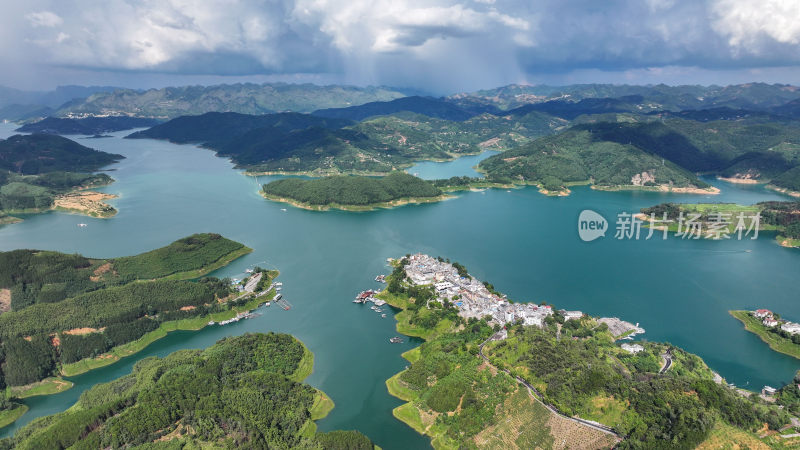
<point>357,208</point>
<point>131,348</point>
<point>660,188</point>
<point>88,203</point>
<point>775,342</point>
<point>735,180</point>
<point>783,190</point>
<point>57,384</point>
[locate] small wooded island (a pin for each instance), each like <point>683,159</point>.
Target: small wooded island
<point>242,392</point>
<point>353,193</point>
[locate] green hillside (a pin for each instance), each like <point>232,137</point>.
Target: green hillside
<point>242,392</point>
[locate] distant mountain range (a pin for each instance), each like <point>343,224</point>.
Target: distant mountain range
<point>429,106</point>
<point>358,103</point>
<point>613,135</point>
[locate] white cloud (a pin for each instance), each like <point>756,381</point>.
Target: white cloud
<point>752,25</point>
<point>44,19</point>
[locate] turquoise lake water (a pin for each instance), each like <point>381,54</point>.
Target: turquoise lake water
<point>525,243</point>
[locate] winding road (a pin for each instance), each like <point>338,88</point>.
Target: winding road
<point>538,397</point>
<point>667,357</point>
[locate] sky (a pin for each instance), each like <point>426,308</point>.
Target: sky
<point>436,46</point>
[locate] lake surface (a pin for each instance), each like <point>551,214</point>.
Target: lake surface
<point>525,243</point>
<point>464,166</point>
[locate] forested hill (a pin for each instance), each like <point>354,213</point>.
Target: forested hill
<point>242,392</point>
<point>659,151</point>
<point>66,314</point>
<point>356,191</point>
<point>39,153</point>
<point>247,98</point>
<point>36,276</point>
<point>217,128</point>
<point>431,107</point>
<point>291,142</point>
<point>87,126</point>
<point>575,156</point>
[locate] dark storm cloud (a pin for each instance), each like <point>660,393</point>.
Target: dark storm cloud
<point>405,42</point>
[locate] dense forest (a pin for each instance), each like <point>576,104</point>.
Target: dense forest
<point>576,156</point>
<point>65,308</point>
<point>352,190</point>
<point>39,153</point>
<point>242,392</point>
<point>290,142</point>
<point>34,276</point>
<point>642,151</point>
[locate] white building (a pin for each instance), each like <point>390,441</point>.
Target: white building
<point>770,322</point>
<point>443,286</point>
<point>791,327</point>
<point>632,348</point>
<point>570,315</point>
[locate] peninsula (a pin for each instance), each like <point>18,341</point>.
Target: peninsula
<point>242,392</point>
<point>42,172</point>
<point>727,220</point>
<point>495,373</point>
<point>781,335</point>
<point>67,314</point>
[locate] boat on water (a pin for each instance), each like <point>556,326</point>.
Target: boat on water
<point>249,270</point>
<point>82,225</point>
<point>381,278</point>
<point>383,315</point>
<point>396,340</point>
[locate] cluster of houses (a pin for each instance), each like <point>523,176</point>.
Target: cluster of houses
<point>472,298</point>
<point>768,320</point>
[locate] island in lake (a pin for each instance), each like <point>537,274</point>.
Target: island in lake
<point>42,172</point>
<point>66,314</point>
<point>493,373</point>
<point>353,193</point>
<point>242,392</point>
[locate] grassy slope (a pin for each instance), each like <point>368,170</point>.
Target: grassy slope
<point>9,416</point>
<point>775,342</point>
<point>220,263</point>
<point>51,385</point>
